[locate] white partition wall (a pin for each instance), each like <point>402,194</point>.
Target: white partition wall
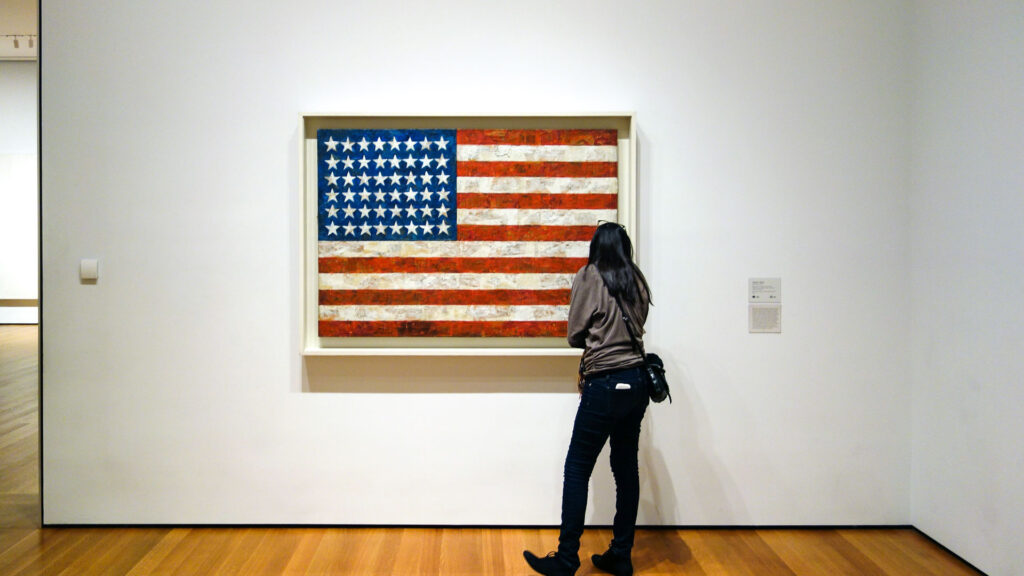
<point>19,194</point>
<point>968,279</point>
<point>772,141</point>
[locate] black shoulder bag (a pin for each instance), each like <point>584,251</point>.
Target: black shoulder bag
<point>654,368</point>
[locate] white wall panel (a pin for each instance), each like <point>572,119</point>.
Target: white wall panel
<point>772,142</point>
<point>19,194</point>
<point>968,280</point>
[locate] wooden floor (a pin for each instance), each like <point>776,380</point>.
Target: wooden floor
<point>25,548</point>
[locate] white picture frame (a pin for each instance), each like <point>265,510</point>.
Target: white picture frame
<point>314,345</point>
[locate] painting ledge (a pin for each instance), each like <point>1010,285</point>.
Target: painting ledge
<point>442,352</point>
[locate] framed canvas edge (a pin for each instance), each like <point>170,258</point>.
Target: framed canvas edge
<point>310,342</point>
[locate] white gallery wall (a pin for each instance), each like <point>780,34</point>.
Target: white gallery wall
<point>968,279</point>
<point>19,194</point>
<point>773,141</point>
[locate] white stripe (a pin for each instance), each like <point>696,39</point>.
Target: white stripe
<point>417,249</point>
<point>445,313</point>
<point>445,281</point>
<point>555,153</point>
<point>526,217</point>
<point>513,185</point>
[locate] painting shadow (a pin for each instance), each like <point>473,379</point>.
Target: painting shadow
<point>439,374</point>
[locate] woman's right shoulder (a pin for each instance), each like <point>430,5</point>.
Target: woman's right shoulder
<point>587,272</point>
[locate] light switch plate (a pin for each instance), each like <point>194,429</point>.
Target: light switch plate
<point>89,270</point>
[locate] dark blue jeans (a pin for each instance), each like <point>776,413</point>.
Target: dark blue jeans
<point>607,410</point>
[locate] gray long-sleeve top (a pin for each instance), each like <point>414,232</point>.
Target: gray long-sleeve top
<point>596,324</point>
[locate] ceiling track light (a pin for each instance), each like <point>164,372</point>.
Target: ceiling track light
<point>18,39</point>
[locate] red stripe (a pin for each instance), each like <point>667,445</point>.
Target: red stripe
<point>539,137</point>
<point>439,265</point>
<point>538,169</point>
<point>525,233</point>
<point>539,201</point>
<point>336,329</point>
<point>443,297</point>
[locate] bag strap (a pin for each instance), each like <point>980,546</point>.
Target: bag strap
<point>637,347</point>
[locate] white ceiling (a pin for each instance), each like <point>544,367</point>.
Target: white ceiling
<point>19,17</point>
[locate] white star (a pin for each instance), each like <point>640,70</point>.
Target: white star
<point>378,144</point>
<point>428,212</point>
<point>442,210</point>
<point>394,178</point>
<point>364,212</point>
<point>332,196</point>
<point>332,229</point>
<point>332,144</point>
<point>380,210</point>
<point>364,195</point>
<point>393,162</point>
<point>349,230</point>
<point>411,211</point>
<point>379,195</point>
<point>379,162</point>
<point>346,145</point>
<point>442,178</point>
<point>394,143</point>
<point>425,144</point>
<point>411,228</point>
<point>350,212</point>
<point>442,144</point>
<point>365,229</point>
<point>427,178</point>
<point>349,195</point>
<point>396,196</point>
<point>409,178</point>
<point>332,180</point>
<point>427,161</point>
<point>426,195</point>
<point>364,179</point>
<point>349,164</point>
<point>442,194</point>
<point>410,161</point>
<point>428,228</point>
<point>363,144</point>
<point>349,179</point>
<point>364,163</point>
<point>396,228</point>
<point>409,144</point>
<point>379,179</point>
<point>332,212</point>
<point>442,162</point>
<point>332,163</point>
<point>410,195</point>
<point>395,211</point>
<point>380,228</point>
<point>442,228</point>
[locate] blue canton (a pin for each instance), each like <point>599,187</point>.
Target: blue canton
<point>386,185</point>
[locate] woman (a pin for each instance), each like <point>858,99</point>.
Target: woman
<point>613,399</point>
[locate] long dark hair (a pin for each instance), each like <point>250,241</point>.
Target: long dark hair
<point>612,253</point>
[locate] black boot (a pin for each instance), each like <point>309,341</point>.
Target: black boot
<point>550,565</point>
<point>613,563</point>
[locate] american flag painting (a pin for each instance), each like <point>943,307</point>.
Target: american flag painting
<point>457,233</point>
